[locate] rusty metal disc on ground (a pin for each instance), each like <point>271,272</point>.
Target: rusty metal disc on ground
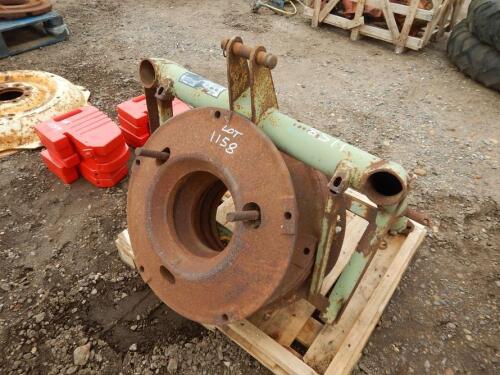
<point>30,97</point>
<point>11,9</point>
<point>172,206</point>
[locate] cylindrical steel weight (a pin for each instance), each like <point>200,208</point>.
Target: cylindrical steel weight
<point>172,207</point>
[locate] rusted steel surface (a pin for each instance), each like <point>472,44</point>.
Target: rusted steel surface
<point>159,155</point>
<point>164,98</point>
<point>30,97</point>
<point>11,9</point>
<point>250,215</point>
<point>172,207</point>
<point>253,75</point>
<point>236,47</point>
<point>419,217</point>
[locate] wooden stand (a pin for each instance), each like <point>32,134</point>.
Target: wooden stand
<point>292,340</point>
<point>443,16</point>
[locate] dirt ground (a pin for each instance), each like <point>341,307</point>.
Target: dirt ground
<point>62,285</point>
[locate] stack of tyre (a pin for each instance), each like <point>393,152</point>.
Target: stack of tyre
<point>474,44</point>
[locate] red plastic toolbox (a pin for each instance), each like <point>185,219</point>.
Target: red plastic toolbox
<point>112,165</point>
<point>66,175</point>
<point>103,179</point>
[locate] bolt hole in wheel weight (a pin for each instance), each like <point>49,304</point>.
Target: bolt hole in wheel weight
<point>10,94</point>
<point>228,224</point>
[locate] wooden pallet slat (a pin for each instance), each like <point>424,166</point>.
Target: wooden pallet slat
<point>285,324</point>
<point>328,342</point>
<point>358,15</point>
<point>327,8</point>
<point>348,354</point>
<point>405,31</point>
<point>401,9</point>
<point>261,346</point>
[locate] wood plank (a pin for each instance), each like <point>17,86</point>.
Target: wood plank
<point>327,8</point>
<point>377,33</point>
<point>342,22</point>
<point>350,350</point>
<point>402,9</point>
<point>390,20</point>
<point>405,30</point>
<point>309,332</point>
<point>442,22</point>
<point>355,228</point>
<point>358,15</point>
<point>432,25</point>
<point>361,197</point>
<point>385,35</point>
<point>315,13</point>
<point>125,250</point>
<point>422,14</point>
<point>265,349</point>
<point>286,323</point>
<point>330,339</point>
<point>457,6</point>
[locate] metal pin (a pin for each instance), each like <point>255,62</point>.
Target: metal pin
<point>250,215</point>
<point>160,155</point>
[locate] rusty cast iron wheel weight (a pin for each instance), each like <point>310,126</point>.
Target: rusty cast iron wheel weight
<point>177,184</point>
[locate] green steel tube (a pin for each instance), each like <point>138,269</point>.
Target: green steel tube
<point>315,148</point>
<point>386,220</point>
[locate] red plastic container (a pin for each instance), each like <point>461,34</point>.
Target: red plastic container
<point>133,115</point>
<point>91,131</point>
<point>133,119</point>
<point>88,138</point>
<point>133,139</point>
<point>102,179</point>
<point>66,175</point>
<point>116,160</point>
<point>178,107</point>
<point>60,147</point>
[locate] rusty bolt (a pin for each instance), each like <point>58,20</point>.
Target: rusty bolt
<point>159,155</point>
<point>250,215</point>
<point>242,50</point>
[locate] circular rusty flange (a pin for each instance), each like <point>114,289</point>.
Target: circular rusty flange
<point>11,9</point>
<point>172,207</point>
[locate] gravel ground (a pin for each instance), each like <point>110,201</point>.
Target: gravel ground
<point>68,305</point>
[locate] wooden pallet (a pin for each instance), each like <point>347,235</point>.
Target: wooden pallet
<point>444,15</point>
<point>292,340</point>
<point>25,34</point>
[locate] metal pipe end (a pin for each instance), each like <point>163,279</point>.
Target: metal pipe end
<point>384,186</point>
<point>147,73</point>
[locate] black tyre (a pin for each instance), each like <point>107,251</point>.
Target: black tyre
<point>484,21</point>
<point>478,60</point>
